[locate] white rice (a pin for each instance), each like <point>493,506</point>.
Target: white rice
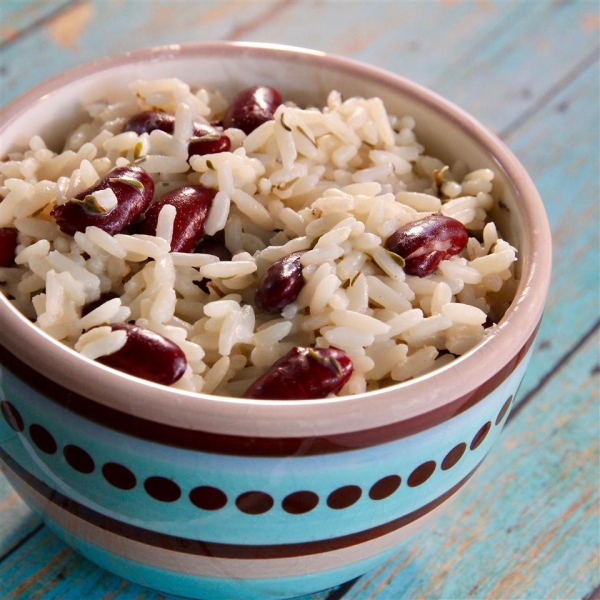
<point>335,182</point>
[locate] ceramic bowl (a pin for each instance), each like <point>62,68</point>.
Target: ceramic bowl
<point>208,497</point>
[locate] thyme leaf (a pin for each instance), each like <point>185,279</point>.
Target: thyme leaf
<point>216,289</point>
<point>128,181</point>
<point>396,257</point>
<point>328,361</point>
<point>284,125</point>
<point>91,205</point>
<point>308,137</point>
<point>353,280</point>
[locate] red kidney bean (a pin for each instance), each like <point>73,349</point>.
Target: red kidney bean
<point>206,138</point>
<point>423,244</point>
<point>280,284</point>
<point>303,374</point>
<point>215,246</point>
<point>147,355</point>
<point>8,246</point>
<point>193,204</point>
<point>134,189</point>
<point>149,120</point>
<point>90,306</point>
<point>252,107</point>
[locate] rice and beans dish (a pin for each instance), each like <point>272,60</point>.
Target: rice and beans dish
<point>252,248</point>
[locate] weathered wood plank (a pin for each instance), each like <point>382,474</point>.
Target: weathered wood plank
<point>512,71</point>
<point>527,526</point>
<point>16,519</point>
<point>408,38</point>
<point>488,41</point>
<point>559,148</point>
<point>86,30</point>
<point>400,36</point>
<point>52,569</point>
<point>18,16</point>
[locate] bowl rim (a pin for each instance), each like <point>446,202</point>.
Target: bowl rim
<point>266,418</point>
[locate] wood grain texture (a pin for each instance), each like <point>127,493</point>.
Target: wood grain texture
<point>20,16</point>
<point>528,525</point>
<point>558,147</point>
<point>524,61</point>
<point>389,34</point>
<point>85,30</point>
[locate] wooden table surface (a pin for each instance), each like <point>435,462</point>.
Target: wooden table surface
<point>528,526</point>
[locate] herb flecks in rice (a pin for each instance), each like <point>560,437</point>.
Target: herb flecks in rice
<point>335,182</point>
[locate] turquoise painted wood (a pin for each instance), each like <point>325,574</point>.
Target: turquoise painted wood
<point>17,16</point>
<point>17,520</point>
<point>558,156</point>
<point>528,62</point>
<point>528,526</point>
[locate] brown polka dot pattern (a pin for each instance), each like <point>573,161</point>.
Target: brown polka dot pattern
<point>12,416</point>
<point>480,436</point>
<point>385,487</point>
<point>344,497</point>
<point>78,459</point>
<point>43,439</point>
<point>299,503</point>
<point>162,489</point>
<point>207,497</point>
<point>453,456</point>
<point>254,502</point>
<point>504,410</point>
<point>119,476</point>
<point>421,474</point>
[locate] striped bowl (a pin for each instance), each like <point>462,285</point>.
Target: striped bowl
<point>209,497</point>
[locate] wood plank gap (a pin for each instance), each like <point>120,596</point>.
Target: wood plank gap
<point>239,31</point>
<point>23,541</point>
<point>507,23</point>
<point>343,589</point>
<point>550,374</point>
<point>593,595</point>
<point>45,19</point>
<point>553,91</point>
